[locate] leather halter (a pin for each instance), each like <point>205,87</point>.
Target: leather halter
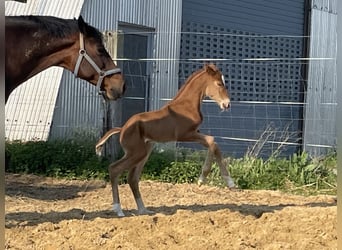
<point>102,74</point>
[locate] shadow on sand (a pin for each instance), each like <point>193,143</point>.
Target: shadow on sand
<point>35,218</point>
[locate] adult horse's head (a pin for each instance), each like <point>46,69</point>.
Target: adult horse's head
<point>215,86</point>
<point>95,65</point>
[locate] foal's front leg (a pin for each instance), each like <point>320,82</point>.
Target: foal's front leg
<point>206,168</point>
<point>213,150</point>
<point>223,170</point>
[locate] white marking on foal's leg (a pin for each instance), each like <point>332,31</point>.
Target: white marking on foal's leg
<point>98,150</point>
<point>229,181</point>
<point>201,180</point>
<point>117,209</point>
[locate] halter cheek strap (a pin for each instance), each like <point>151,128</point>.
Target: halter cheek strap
<point>102,74</point>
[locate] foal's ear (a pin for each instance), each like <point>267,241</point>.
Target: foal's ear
<point>211,68</point>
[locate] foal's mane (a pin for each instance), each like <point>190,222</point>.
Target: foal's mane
<point>60,28</point>
<point>208,67</point>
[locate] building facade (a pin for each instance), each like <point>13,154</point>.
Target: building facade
<point>277,58</point>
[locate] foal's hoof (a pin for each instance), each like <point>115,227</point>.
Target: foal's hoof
<point>120,214</point>
<point>200,182</point>
<point>98,151</point>
<point>145,212</point>
<point>117,209</point>
<point>235,189</point>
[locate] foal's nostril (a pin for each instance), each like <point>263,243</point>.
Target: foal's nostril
<point>227,105</point>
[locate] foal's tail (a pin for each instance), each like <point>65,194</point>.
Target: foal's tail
<point>102,141</point>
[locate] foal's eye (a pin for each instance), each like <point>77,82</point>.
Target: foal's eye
<point>220,84</point>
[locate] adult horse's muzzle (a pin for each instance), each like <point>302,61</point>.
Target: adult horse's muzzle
<point>114,93</point>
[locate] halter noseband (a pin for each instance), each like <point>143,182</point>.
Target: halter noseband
<point>102,74</point>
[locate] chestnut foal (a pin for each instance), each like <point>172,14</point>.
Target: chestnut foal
<point>178,120</point>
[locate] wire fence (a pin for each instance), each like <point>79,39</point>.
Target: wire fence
<point>269,101</point>
<point>268,78</point>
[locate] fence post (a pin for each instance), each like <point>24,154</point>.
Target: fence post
<point>112,116</point>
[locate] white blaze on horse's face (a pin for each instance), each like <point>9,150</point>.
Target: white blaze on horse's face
<point>224,105</point>
<point>218,92</point>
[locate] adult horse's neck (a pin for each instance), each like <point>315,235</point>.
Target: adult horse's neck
<point>62,53</point>
<point>36,50</point>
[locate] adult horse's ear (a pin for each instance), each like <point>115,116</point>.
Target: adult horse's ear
<point>82,25</point>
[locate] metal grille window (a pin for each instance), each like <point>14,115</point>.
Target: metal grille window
<point>264,78</point>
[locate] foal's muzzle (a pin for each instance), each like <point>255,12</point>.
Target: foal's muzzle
<point>225,104</point>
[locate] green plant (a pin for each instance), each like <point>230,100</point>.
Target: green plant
<point>156,163</point>
<point>181,172</point>
<point>67,158</point>
<point>75,158</point>
<point>298,174</point>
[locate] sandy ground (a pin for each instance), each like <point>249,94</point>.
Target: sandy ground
<point>47,213</point>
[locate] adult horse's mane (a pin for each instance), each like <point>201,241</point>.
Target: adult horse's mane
<point>60,28</point>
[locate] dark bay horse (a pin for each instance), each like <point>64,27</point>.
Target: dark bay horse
<point>35,43</point>
<point>176,121</point>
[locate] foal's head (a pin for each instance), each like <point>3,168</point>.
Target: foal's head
<point>215,86</point>
<point>112,85</point>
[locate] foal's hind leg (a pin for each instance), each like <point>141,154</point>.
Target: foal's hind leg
<point>134,177</point>
<point>128,161</point>
<point>115,169</point>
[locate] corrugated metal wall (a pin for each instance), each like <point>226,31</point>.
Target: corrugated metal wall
<point>321,102</point>
<point>30,107</point>
<point>261,17</point>
<point>78,105</point>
